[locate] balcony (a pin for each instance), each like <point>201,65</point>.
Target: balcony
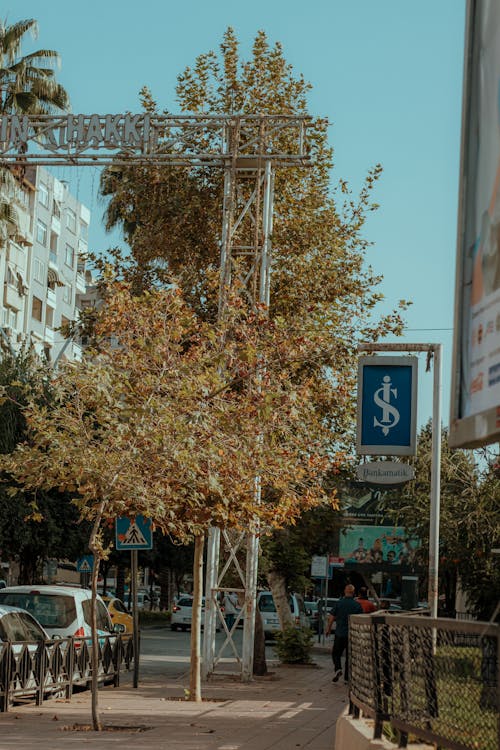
<point>53,259</point>
<point>51,296</point>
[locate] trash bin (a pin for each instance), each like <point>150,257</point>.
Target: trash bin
<point>409,592</point>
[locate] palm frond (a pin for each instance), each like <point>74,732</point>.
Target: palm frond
<point>11,37</point>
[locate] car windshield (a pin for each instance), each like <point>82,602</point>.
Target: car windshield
<point>266,603</point>
<point>51,611</point>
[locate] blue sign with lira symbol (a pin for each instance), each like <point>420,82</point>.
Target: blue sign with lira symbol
<point>387,406</point>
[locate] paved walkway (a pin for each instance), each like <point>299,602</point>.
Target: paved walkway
<point>292,707</point>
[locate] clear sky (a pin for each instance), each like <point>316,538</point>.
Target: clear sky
<point>387,75</point>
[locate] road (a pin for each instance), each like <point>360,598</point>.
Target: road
<point>166,653</point>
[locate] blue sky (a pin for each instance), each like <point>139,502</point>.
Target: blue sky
<point>387,75</point>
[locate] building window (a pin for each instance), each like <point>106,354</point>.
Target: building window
<point>84,231</point>
<point>49,317</point>
<point>67,294</point>
<point>43,194</point>
<point>11,277</point>
<point>53,242</point>
<point>71,220</point>
<point>51,280</point>
<point>39,271</point>
<point>69,256</point>
<point>41,232</point>
<point>37,309</point>
<point>56,209</point>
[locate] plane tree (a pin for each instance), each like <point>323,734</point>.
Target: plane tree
<point>32,527</point>
<point>469,524</point>
<point>155,421</point>
<point>321,283</point>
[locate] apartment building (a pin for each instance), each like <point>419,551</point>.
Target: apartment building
<point>42,270</point>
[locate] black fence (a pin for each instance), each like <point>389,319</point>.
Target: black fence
<point>434,679</point>
<point>35,671</point>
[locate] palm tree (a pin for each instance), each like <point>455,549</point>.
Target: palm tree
<point>27,86</point>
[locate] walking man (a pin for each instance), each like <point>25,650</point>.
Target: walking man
<point>340,613</point>
<point>230,608</point>
<point>367,606</point>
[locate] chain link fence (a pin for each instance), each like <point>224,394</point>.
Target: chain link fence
<point>435,679</point>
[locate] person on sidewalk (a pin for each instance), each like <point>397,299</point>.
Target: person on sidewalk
<point>367,606</point>
<point>230,608</point>
<point>340,613</point>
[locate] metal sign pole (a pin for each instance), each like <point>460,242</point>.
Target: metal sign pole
<point>435,486</point>
<point>133,588</point>
<point>436,350</point>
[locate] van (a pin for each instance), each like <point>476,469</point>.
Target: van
<point>270,619</point>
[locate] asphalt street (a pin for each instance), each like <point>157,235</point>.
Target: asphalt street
<point>165,652</point>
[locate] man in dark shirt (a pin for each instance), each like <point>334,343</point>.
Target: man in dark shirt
<point>340,613</point>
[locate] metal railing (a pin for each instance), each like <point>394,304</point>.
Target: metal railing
<point>35,671</point>
<point>435,679</point>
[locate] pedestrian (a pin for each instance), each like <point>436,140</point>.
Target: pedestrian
<point>367,606</point>
<point>230,608</point>
<point>340,613</point>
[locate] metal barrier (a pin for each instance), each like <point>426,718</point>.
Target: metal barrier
<point>436,679</point>
<point>34,671</point>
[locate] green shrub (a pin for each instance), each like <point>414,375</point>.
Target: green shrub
<point>294,645</point>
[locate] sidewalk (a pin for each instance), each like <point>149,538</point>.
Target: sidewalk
<point>292,707</point>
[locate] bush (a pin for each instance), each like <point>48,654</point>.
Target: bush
<point>294,645</point>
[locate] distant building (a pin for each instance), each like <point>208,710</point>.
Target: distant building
<point>42,267</point>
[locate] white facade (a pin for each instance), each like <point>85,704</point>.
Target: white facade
<point>42,271</point>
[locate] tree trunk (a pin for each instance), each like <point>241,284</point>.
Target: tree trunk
<point>195,673</point>
<point>280,596</point>
<point>259,647</point>
<point>94,548</point>
<point>120,582</point>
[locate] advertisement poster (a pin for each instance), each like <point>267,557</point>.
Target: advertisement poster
<point>476,387</point>
<point>376,545</point>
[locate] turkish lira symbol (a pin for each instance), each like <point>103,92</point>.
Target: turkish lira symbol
<point>382,398</point>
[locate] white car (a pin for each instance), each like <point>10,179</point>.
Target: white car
<point>62,610</point>
<point>182,613</point>
<point>269,615</point>
<point>24,634</point>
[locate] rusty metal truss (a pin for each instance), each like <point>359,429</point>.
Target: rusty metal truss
<point>178,140</point>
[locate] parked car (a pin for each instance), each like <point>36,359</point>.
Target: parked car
<point>312,615</point>
<point>61,610</point>
<point>24,633</point>
<point>119,613</point>
<point>143,600</point>
<point>270,619</point>
<point>182,613</point>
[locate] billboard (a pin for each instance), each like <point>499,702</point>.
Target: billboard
<point>475,399</point>
<point>376,545</point>
<point>387,405</point>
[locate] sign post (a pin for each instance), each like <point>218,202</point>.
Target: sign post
<point>134,534</point>
<point>384,397</point>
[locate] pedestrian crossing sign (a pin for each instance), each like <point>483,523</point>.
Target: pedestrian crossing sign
<point>85,564</point>
<point>133,533</point>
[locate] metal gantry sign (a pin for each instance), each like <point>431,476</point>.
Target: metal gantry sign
<point>93,140</point>
<point>246,148</point>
